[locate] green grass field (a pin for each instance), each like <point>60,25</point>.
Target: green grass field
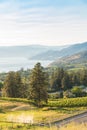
<point>14,112</point>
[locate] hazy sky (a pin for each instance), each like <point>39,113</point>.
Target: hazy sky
<point>48,22</point>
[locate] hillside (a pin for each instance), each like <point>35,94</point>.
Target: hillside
<point>79,59</point>
<point>39,52</point>
<point>25,51</point>
<point>66,51</point>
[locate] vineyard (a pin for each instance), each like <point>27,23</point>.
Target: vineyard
<point>69,102</point>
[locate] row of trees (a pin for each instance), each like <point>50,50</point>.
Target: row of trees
<point>35,89</point>
<point>61,79</point>
<point>40,81</point>
<point>13,86</point>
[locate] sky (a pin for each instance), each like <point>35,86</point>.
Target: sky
<point>45,22</point>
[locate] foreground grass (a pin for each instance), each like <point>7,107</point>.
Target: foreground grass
<point>71,126</point>
<point>14,108</point>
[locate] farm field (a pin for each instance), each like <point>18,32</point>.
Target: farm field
<point>14,113</point>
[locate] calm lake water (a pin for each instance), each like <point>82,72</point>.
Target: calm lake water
<point>16,63</point>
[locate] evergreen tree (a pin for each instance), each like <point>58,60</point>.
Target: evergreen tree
<point>53,80</point>
<point>19,87</point>
<point>65,82</point>
<point>13,86</point>
<point>38,85</point>
<point>8,88</point>
<point>58,79</point>
<point>84,77</point>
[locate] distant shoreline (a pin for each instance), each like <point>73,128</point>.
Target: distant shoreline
<point>16,63</point>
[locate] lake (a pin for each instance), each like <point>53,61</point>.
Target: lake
<point>16,63</point>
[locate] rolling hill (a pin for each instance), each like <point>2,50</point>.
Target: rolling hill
<point>76,60</point>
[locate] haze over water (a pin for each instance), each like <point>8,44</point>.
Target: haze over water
<point>16,63</point>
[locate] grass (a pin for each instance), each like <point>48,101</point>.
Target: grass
<point>55,110</point>
<point>71,126</point>
<point>45,115</point>
<point>15,99</point>
<point>68,102</point>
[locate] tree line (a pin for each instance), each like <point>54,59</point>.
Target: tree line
<point>35,88</point>
<point>61,79</point>
<point>40,82</point>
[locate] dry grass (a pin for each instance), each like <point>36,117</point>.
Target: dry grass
<point>71,126</point>
<point>46,115</point>
<point>74,126</point>
<point>14,110</point>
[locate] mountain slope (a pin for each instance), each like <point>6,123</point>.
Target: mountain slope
<point>79,59</point>
<point>39,52</point>
<point>66,51</point>
<point>24,51</point>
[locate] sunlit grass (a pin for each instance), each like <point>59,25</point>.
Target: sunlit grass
<point>74,126</point>
<point>38,115</point>
<point>13,109</point>
<point>71,126</point>
<point>17,107</point>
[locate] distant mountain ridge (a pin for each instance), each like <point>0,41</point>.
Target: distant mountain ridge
<point>66,51</point>
<point>27,51</point>
<point>40,52</point>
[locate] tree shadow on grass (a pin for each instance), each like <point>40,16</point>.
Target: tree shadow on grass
<point>1,110</point>
<point>60,109</point>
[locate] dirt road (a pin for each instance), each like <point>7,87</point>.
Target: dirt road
<point>80,118</point>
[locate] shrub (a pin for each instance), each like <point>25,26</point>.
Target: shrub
<point>56,95</point>
<point>68,94</point>
<point>77,91</point>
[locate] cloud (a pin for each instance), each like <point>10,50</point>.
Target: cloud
<point>14,11</point>
<point>24,21</point>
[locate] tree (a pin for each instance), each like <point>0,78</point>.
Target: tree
<point>77,91</point>
<point>84,77</point>
<point>56,78</point>
<point>60,80</point>
<point>13,86</point>
<point>8,89</point>
<point>19,87</point>
<point>1,85</point>
<point>38,85</point>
